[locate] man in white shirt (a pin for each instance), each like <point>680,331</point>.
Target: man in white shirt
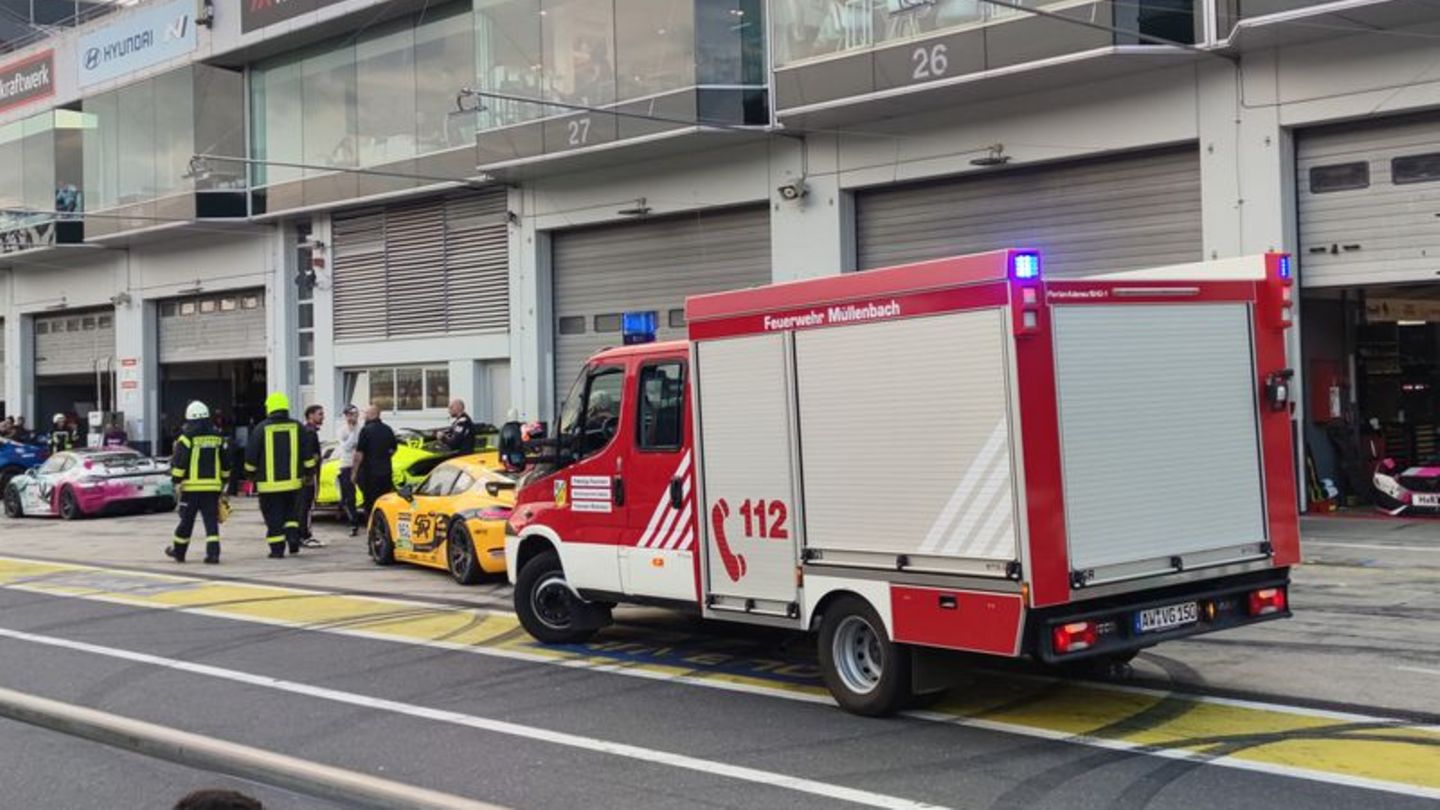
<point>349,435</point>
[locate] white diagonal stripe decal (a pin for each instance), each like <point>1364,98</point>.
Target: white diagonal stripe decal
<point>963,490</point>
<point>680,526</point>
<point>998,476</point>
<point>663,506</point>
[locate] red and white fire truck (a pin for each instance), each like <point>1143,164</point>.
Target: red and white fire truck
<point>954,455</point>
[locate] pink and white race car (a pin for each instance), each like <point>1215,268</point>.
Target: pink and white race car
<point>1411,491</point>
<point>91,481</point>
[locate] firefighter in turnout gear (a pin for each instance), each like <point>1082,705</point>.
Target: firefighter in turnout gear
<point>278,457</point>
<point>61,439</point>
<point>200,468</point>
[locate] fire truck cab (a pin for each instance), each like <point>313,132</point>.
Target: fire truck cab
<point>955,455</point>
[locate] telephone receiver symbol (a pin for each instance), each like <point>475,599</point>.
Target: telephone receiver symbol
<point>734,563</point>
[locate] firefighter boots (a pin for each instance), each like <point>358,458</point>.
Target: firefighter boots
<point>212,552</point>
<point>176,551</point>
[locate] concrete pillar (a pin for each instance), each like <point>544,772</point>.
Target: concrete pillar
<point>531,338</point>
<point>329,381</point>
<point>137,368</point>
<point>281,361</point>
<point>19,366</point>
<point>812,235</point>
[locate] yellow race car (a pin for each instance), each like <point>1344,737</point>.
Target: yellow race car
<point>456,519</point>
<point>415,456</point>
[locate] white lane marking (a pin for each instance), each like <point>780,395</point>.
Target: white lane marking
<point>1368,546</point>
<point>628,670</point>
<point>1421,670</point>
<point>635,752</point>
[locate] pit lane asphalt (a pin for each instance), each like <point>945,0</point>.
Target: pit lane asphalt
<point>903,758</point>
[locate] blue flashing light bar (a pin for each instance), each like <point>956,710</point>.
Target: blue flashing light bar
<point>1284,266</point>
<point>1024,266</point>
<point>639,327</point>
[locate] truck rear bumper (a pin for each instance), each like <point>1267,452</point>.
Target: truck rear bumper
<point>1134,621</point>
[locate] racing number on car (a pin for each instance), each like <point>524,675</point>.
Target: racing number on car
<point>763,519</point>
<point>420,529</point>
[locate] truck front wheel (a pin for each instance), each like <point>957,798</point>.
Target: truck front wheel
<point>548,609</point>
<point>864,670</point>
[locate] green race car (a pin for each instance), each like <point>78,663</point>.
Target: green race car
<point>416,455</point>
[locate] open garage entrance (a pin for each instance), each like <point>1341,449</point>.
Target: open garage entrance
<point>212,348</point>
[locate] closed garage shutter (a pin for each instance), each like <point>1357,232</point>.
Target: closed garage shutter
<point>74,342</point>
<point>223,326</point>
<point>431,267</point>
<point>602,272</point>
<point>1116,213</point>
<point>1368,200</point>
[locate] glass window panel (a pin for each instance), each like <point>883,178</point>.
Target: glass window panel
<point>174,130</point>
<point>577,38</point>
<point>219,125</point>
<point>101,144</point>
<point>250,302</point>
<point>1339,177</point>
<point>654,47</point>
<point>187,307</point>
<point>328,116</point>
<point>1415,169</point>
<point>137,143</point>
<point>661,406</point>
<point>39,165</point>
<point>730,40</point>
<point>382,388</point>
<point>409,389</point>
<point>208,306</point>
<point>12,173</point>
<point>307,316</point>
<point>444,63</point>
<point>88,323</point>
<point>72,324</point>
<point>507,46</point>
<point>167,309</point>
<point>677,319</point>
<point>385,94</point>
<point>42,328</point>
<point>307,344</point>
<point>307,372</point>
<point>804,29</point>
<point>607,323</point>
<point>572,325</point>
<point>70,130</point>
<point>106,321</point>
<point>437,387</point>
<point>228,304</point>
<point>276,127</point>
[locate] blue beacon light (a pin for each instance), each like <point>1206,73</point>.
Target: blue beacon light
<point>1025,266</point>
<point>639,327</point>
<point>1284,268</point>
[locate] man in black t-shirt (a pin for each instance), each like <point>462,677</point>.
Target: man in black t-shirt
<point>372,469</point>
<point>460,436</point>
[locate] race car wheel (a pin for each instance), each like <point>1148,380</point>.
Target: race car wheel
<point>548,609</point>
<point>12,503</point>
<point>382,548</point>
<point>864,670</point>
<point>460,555</point>
<point>70,505</point>
<point>6,474</point>
<point>165,505</point>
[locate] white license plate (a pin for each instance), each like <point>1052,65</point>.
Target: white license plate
<point>1427,499</point>
<point>1164,618</point>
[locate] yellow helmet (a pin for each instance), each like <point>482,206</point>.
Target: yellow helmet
<point>276,402</point>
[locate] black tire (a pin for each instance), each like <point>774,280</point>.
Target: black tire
<point>5,476</point>
<point>12,503</point>
<point>70,505</point>
<point>866,672</point>
<point>165,505</point>
<point>382,548</point>
<point>460,555</point>
<point>548,609</point>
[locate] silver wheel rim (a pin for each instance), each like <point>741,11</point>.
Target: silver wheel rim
<point>550,601</point>
<point>859,655</point>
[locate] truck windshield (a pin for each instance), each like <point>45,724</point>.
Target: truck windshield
<point>589,417</point>
<point>570,408</point>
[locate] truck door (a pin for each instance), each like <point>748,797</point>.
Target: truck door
<point>591,492</point>
<point>657,560</point>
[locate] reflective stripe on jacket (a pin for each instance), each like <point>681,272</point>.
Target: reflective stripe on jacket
<point>200,460</point>
<point>279,452</point>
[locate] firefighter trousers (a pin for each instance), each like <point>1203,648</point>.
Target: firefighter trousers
<point>205,504</point>
<point>282,521</point>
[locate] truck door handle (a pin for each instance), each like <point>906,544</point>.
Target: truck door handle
<point>617,491</point>
<point>677,493</point>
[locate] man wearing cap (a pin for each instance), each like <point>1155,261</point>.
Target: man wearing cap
<point>199,467</point>
<point>278,456</point>
<point>349,436</point>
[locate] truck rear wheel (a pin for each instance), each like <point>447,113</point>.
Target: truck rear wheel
<point>548,609</point>
<point>864,670</point>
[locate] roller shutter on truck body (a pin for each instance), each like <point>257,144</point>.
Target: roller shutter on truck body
<point>1101,215</point>
<point>602,272</point>
<point>1368,195</point>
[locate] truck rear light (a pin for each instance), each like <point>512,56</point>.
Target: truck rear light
<point>1073,637</point>
<point>1266,601</point>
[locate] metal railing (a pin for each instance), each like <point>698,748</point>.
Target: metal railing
<point>84,12</point>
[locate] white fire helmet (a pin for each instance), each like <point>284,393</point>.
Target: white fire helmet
<point>197,410</point>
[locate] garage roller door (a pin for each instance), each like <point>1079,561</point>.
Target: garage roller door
<point>602,272</point>
<point>223,326</point>
<point>1116,213</point>
<point>74,342</point>
<point>1368,198</point>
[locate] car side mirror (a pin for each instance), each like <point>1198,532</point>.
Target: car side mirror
<point>497,487</point>
<point>406,491</point>
<point>32,472</point>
